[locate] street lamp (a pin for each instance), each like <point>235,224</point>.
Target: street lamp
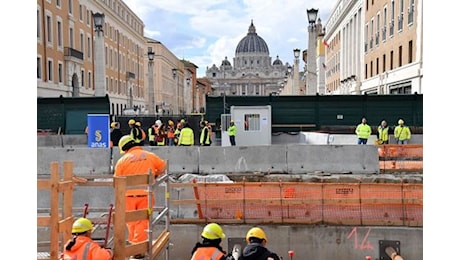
<point>311,57</point>
<point>99,70</point>
<point>151,105</point>
<point>174,74</point>
<point>296,72</point>
<point>312,14</point>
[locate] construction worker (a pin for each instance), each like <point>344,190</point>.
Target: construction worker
<point>82,246</point>
<point>205,138</point>
<point>151,132</point>
<point>256,247</point>
<point>210,248</point>
<point>134,130</point>
<point>186,136</point>
<point>136,160</point>
<point>232,132</point>
<point>363,131</point>
<point>143,135</point>
<point>382,133</point>
<point>402,133</point>
<point>162,135</point>
<point>171,135</point>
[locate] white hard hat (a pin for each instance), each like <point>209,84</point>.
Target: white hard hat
<point>158,122</point>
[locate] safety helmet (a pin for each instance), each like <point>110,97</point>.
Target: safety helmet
<point>182,121</point>
<point>113,125</point>
<point>131,122</point>
<point>231,121</point>
<point>400,122</point>
<point>158,122</point>
<point>127,139</point>
<point>257,233</point>
<point>82,225</point>
<point>213,231</point>
<point>138,123</point>
<point>170,122</point>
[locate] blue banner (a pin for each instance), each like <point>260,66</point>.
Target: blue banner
<point>98,131</point>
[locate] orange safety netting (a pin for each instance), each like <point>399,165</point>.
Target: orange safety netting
<point>407,157</point>
<point>315,203</point>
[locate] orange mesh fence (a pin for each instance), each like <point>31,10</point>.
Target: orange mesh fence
<point>396,157</point>
<point>315,203</point>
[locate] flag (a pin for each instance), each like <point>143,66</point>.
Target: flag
<point>325,43</point>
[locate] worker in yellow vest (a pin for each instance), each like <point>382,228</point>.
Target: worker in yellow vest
<point>186,137</point>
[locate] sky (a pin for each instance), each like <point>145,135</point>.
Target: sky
<point>205,32</point>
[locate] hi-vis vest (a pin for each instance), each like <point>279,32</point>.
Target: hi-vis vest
<point>207,253</point>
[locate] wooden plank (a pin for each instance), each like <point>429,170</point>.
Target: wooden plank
<point>159,244</point>
<point>135,215</point>
<point>43,221</point>
<point>43,184</point>
<point>119,223</point>
<point>139,248</point>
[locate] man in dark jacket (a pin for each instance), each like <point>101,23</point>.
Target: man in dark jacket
<point>255,249</point>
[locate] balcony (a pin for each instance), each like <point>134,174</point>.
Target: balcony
<point>130,75</point>
<point>70,54</point>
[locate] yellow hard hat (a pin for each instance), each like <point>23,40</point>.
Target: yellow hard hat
<point>170,122</point>
<point>138,123</point>
<point>213,231</point>
<point>113,124</point>
<point>257,233</point>
<point>182,121</point>
<point>127,139</point>
<point>131,122</point>
<point>82,225</point>
<point>400,122</point>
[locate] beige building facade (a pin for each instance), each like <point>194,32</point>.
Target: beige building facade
<point>374,47</point>
<point>68,59</point>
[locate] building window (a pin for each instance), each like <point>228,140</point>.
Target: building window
<point>59,34</point>
<point>39,27</point>
<point>82,78</point>
<point>90,79</point>
<point>70,2</point>
<point>400,62</point>
<point>392,19</point>
<point>50,70</point>
<point>88,47</point>
<point>252,122</point>
<point>82,43</point>
<point>49,29</point>
<point>384,65</point>
<point>371,69</point>
<point>409,52</point>
<point>71,37</point>
<point>60,72</point>
<point>80,12</point>
<point>410,15</point>
<point>377,66</point>
<point>58,3</point>
<point>391,60</point>
<point>377,29</point>
<point>384,28</point>
<point>39,68</point>
<point>401,15</point>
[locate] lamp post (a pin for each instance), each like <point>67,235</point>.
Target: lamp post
<point>296,71</point>
<point>311,54</point>
<point>99,70</point>
<point>151,105</point>
<point>174,74</point>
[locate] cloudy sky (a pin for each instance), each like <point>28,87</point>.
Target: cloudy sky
<point>204,31</point>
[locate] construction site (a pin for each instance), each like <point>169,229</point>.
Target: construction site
<point>335,201</point>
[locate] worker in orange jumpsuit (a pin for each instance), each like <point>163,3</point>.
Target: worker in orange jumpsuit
<point>81,246</point>
<point>210,248</point>
<point>135,161</point>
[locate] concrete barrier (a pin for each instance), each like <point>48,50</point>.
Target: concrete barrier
<point>86,160</point>
<point>233,159</point>
<point>360,159</point>
<point>242,159</point>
